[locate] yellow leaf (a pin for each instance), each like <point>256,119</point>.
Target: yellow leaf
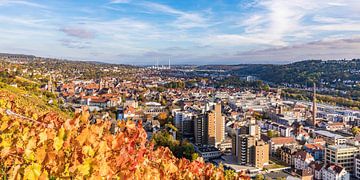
<point>40,154</point>
<point>61,133</point>
<point>4,125</point>
<point>84,169</point>
<point>58,143</point>
<point>32,172</point>
<point>88,150</point>
<point>43,137</point>
<point>83,136</point>
<point>31,144</point>
<point>44,176</point>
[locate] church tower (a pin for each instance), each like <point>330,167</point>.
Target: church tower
<point>314,108</point>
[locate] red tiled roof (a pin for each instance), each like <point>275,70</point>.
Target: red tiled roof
<point>283,140</point>
<point>314,146</point>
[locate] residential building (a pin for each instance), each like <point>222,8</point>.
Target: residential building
<point>302,159</point>
<point>334,172</point>
<point>277,142</point>
<point>249,150</point>
<point>287,154</point>
<point>316,150</point>
<point>357,166</point>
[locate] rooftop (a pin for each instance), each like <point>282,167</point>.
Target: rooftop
<point>230,161</point>
<point>328,134</point>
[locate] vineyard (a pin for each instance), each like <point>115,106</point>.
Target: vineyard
<point>48,146</point>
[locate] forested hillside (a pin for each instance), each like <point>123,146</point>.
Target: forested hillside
<point>335,74</point>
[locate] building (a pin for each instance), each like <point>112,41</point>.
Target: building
<point>219,124</point>
<point>287,154</point>
<point>210,127</point>
<point>302,159</point>
<point>261,154</point>
<point>357,166</point>
<point>341,155</point>
<point>316,169</point>
<point>334,172</point>
<point>208,152</point>
<point>330,138</point>
<point>277,142</point>
<point>184,123</point>
<point>316,150</point>
<point>250,150</point>
<point>200,129</point>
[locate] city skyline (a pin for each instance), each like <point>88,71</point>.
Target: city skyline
<point>199,32</point>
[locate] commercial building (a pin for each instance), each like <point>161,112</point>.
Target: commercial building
<point>330,138</point>
<point>342,155</point>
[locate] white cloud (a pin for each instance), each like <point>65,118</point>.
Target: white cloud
<point>24,3</point>
<point>185,20</point>
<point>119,1</point>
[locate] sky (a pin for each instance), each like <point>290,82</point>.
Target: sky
<point>142,32</point>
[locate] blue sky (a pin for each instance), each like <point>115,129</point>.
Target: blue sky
<point>185,31</point>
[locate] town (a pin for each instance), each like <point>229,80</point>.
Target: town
<point>252,129</point>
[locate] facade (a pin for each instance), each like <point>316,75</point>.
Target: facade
<point>208,153</point>
<point>249,150</point>
<point>330,138</point>
<point>341,155</point>
<point>302,160</point>
<point>334,172</point>
<point>316,169</point>
<point>210,127</point>
<point>316,150</point>
<point>287,154</point>
<point>200,129</point>
<point>219,124</point>
<point>261,154</point>
<point>357,166</point>
<point>277,142</point>
<point>184,123</point>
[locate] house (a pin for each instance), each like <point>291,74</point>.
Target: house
<point>316,168</point>
<point>287,154</point>
<point>277,142</point>
<point>316,150</point>
<point>302,159</point>
<point>129,112</point>
<point>334,172</point>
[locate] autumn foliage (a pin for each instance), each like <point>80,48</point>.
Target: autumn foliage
<point>51,148</point>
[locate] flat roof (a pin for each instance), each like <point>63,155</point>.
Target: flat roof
<point>342,146</point>
<point>328,134</point>
<point>230,162</point>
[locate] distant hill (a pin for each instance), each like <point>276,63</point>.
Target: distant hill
<point>333,73</point>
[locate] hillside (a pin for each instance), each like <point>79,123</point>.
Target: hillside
<point>327,73</point>
<point>39,141</point>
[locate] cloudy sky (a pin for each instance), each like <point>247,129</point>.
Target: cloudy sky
<point>185,31</point>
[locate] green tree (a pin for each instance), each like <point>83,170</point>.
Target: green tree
<point>355,130</point>
<point>259,177</point>
<point>271,134</point>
